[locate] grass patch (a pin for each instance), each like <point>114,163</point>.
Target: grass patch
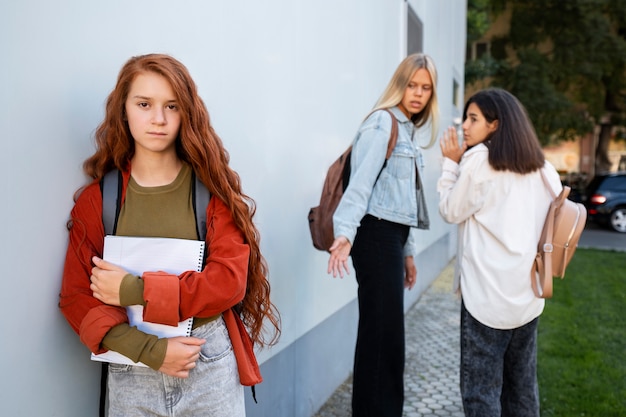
<point>582,339</point>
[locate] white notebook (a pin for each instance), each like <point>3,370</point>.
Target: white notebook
<point>140,254</point>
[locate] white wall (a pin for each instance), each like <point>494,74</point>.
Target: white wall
<point>286,83</point>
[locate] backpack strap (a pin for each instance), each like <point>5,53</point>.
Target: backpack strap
<point>104,376</point>
<point>201,197</point>
<point>541,273</point>
<point>547,184</point>
<point>391,144</point>
<point>393,139</point>
<point>393,136</point>
<point>111,187</point>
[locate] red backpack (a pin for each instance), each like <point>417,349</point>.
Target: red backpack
<point>337,178</point>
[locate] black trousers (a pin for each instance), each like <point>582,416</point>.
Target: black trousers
<point>378,380</point>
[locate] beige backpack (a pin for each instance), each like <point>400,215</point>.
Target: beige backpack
<point>559,238</point>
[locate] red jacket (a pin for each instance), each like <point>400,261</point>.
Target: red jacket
<point>222,281</point>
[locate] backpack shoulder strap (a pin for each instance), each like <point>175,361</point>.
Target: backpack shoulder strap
<point>393,136</point>
<point>541,273</point>
<point>201,197</point>
<point>546,183</point>
<point>111,187</point>
<point>393,139</point>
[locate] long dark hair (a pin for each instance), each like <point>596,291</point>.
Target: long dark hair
<point>199,146</point>
<point>513,146</point>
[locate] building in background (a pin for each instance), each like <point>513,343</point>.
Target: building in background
<point>286,82</point>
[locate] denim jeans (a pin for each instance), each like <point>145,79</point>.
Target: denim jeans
<point>498,369</point>
<point>211,390</point>
<point>378,380</point>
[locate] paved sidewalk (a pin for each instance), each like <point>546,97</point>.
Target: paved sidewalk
<point>432,357</point>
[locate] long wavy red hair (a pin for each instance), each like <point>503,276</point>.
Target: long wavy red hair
<point>202,149</point>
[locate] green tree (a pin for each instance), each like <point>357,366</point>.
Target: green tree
<point>566,61</point>
<point>479,20</point>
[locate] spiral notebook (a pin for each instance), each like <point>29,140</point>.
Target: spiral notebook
<point>139,254</point>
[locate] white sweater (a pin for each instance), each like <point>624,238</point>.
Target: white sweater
<point>500,216</point>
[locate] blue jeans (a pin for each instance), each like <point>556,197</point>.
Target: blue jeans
<point>498,369</point>
<point>211,390</point>
<point>378,380</point>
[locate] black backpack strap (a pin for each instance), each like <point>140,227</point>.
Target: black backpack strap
<point>201,197</point>
<point>111,186</point>
<point>103,389</point>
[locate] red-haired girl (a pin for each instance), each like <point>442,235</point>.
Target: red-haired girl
<point>157,132</point>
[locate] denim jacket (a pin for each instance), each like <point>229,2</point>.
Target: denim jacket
<point>397,195</point>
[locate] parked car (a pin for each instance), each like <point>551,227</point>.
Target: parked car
<point>605,200</point>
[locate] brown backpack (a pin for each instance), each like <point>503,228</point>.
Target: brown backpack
<point>561,231</point>
<point>336,182</point>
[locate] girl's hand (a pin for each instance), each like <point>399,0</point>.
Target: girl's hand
<point>450,145</point>
<point>410,272</point>
<point>106,279</point>
<point>339,252</point>
<point>181,356</point>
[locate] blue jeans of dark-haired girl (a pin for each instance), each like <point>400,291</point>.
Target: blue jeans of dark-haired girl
<point>498,369</point>
<point>378,260</point>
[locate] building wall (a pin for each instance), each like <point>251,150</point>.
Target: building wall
<point>576,157</point>
<point>286,82</point>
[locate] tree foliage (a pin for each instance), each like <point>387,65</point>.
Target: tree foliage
<point>565,60</point>
<point>478,19</point>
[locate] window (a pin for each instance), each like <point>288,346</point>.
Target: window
<point>477,50</point>
<point>482,49</point>
<point>415,33</point>
<point>455,93</point>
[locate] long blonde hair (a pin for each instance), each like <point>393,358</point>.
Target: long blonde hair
<point>394,92</point>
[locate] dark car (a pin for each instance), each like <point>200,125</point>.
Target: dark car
<point>605,199</point>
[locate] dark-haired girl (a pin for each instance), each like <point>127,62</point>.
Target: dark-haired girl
<point>491,186</point>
